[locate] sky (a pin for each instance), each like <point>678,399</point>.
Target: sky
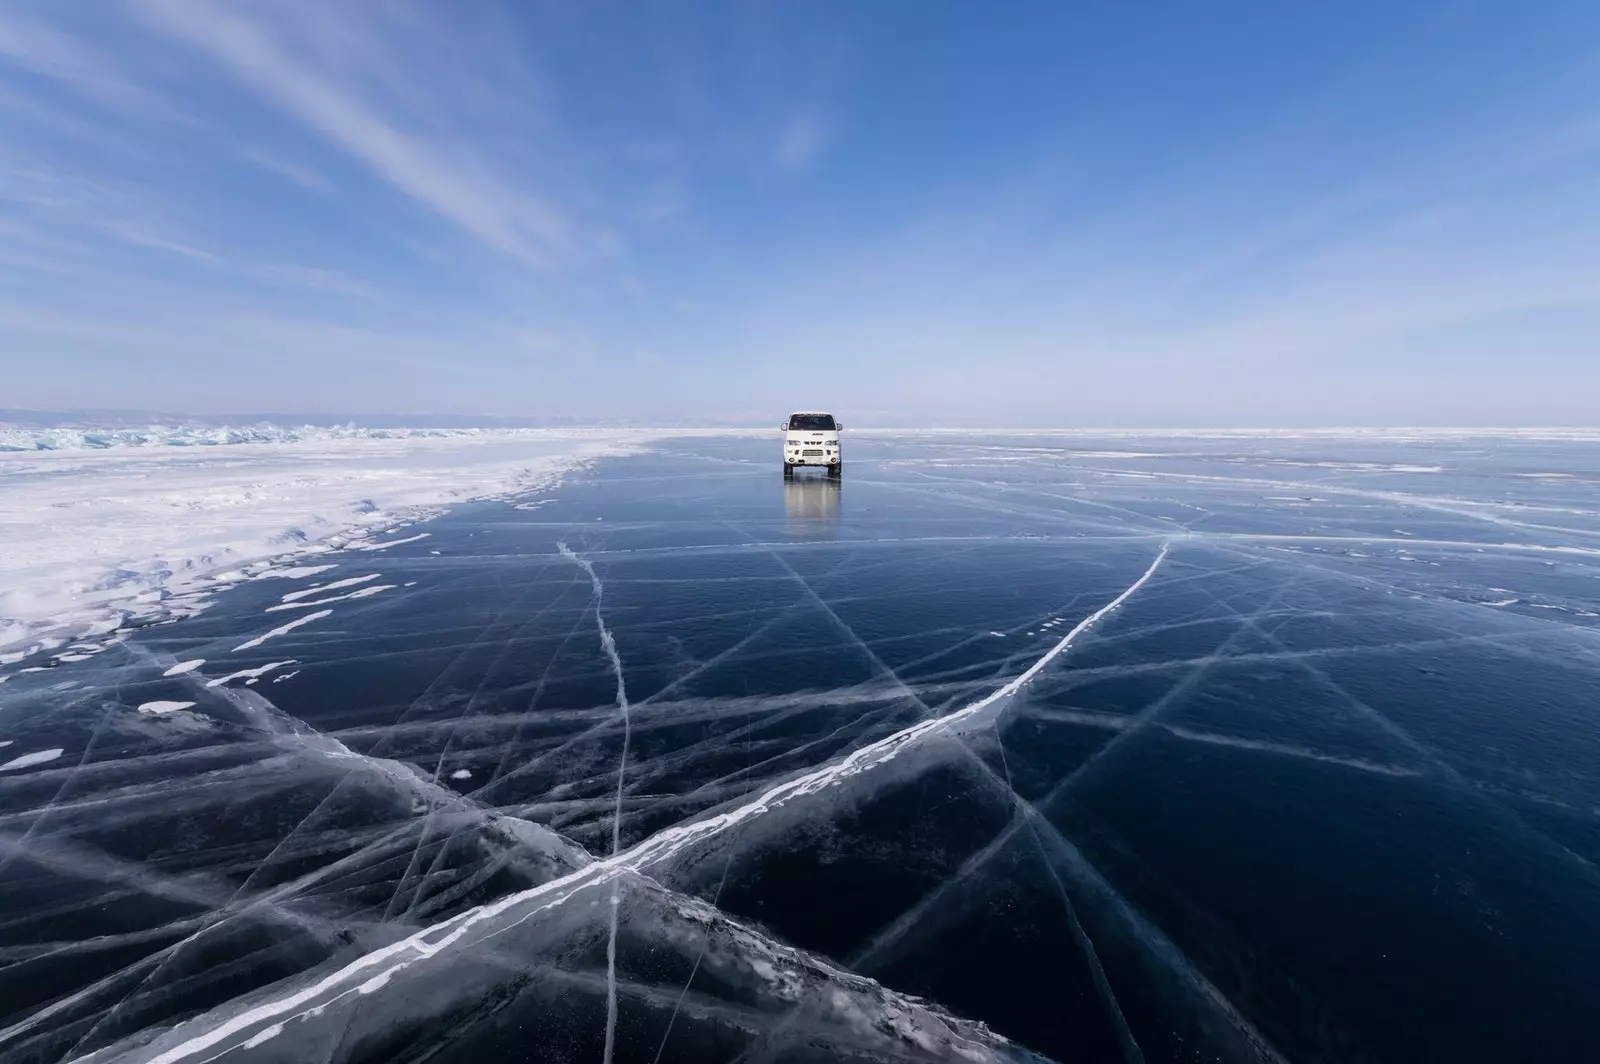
<point>1062,214</point>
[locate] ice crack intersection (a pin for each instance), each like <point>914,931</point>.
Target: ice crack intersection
<point>609,644</point>
<point>371,972</point>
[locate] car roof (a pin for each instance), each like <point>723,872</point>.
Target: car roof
<point>823,413</point>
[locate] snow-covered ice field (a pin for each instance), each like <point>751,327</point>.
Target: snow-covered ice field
<point>99,529</point>
<point>1129,747</point>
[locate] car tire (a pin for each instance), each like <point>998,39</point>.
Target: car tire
<point>836,470</point>
<point>788,471</point>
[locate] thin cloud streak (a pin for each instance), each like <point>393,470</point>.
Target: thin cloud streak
<point>465,192</point>
<point>49,53</point>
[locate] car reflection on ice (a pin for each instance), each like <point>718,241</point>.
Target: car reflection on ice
<point>812,504</point>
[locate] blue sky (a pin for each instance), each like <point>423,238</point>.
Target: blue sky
<point>1055,214</point>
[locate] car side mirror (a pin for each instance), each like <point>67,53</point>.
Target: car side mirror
<point>839,427</point>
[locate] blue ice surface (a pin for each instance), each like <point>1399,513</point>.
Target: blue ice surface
<point>1323,785</point>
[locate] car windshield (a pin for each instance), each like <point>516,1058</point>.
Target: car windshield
<point>811,422</point>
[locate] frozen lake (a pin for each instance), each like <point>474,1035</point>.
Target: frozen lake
<point>1136,748</point>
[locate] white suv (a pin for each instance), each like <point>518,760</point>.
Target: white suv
<point>811,439</point>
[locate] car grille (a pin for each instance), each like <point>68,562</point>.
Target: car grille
<point>812,450</point>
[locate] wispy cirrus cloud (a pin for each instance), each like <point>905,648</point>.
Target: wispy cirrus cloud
<point>73,225</point>
<point>447,179</point>
<point>801,141</point>
<point>295,173</point>
<point>46,52</point>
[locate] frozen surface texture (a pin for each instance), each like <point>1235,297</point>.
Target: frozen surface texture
<point>1007,748</point>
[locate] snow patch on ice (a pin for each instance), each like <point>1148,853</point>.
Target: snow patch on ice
<point>395,542</point>
<point>365,592</point>
<point>317,589</point>
<point>297,572</point>
<point>147,525</point>
<point>282,630</point>
<point>184,666</point>
<point>250,675</point>
<point>38,757</point>
<point>159,709</point>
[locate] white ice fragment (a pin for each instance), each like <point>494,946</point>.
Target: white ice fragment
<point>184,666</point>
<point>286,676</point>
<point>300,572</point>
<point>998,635</point>
<point>461,774</point>
<point>38,757</point>
<point>317,589</point>
<point>393,542</point>
<point>74,657</point>
<point>161,709</point>
<point>250,675</point>
<point>282,630</point>
<point>6,742</point>
<point>365,592</point>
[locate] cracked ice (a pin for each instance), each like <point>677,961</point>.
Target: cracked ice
<point>1004,748</point>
